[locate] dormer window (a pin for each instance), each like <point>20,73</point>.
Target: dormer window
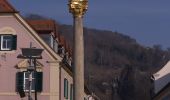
<point>8,42</point>
<point>61,50</point>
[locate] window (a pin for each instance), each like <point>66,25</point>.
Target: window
<point>8,42</point>
<point>26,82</point>
<point>47,38</point>
<point>61,50</point>
<point>22,80</point>
<point>66,88</point>
<point>56,46</point>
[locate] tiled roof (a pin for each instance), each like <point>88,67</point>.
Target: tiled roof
<point>62,40</point>
<point>43,26</point>
<point>69,50</point>
<point>48,26</point>
<point>5,7</point>
<point>163,92</point>
<point>65,44</point>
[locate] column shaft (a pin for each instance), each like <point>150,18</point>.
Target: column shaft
<point>78,59</point>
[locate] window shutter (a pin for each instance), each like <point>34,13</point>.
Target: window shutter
<point>14,42</point>
<point>20,83</point>
<point>71,92</point>
<point>39,81</point>
<point>66,88</point>
<point>0,42</point>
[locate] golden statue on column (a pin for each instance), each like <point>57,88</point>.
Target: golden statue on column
<point>78,9</point>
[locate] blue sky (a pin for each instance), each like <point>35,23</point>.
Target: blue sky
<point>147,21</point>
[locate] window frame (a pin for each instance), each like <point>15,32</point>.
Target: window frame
<point>24,81</point>
<point>13,42</point>
<point>20,81</point>
<point>6,42</point>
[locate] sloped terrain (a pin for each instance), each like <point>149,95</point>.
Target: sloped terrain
<point>110,55</point>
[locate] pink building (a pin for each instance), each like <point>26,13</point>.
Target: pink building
<point>16,33</point>
<point>54,75</point>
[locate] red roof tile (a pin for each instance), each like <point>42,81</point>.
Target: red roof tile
<point>5,7</point>
<point>40,25</point>
<point>44,26</point>
<point>62,40</point>
<point>70,51</point>
<point>67,47</point>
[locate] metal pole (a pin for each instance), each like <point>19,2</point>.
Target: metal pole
<point>35,83</point>
<point>30,86</point>
<point>30,77</point>
<point>32,54</point>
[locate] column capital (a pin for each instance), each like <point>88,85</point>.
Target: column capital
<point>78,7</point>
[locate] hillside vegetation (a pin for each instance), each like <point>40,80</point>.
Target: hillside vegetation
<point>112,55</point>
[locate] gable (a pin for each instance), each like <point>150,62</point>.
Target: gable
<point>25,34</point>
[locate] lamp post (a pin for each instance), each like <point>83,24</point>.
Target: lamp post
<point>32,54</point>
<point>78,9</point>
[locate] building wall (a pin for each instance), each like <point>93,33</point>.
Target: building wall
<point>65,75</point>
<point>8,60</point>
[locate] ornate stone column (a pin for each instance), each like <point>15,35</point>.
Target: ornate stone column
<point>78,8</point>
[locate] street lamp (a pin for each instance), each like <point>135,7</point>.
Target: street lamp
<point>32,54</point>
<point>78,9</point>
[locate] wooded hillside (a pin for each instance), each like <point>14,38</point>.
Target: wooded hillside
<point>112,55</point>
